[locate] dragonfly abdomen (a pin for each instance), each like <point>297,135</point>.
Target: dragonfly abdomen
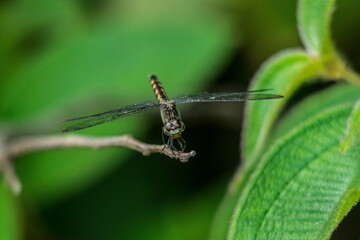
<point>158,89</point>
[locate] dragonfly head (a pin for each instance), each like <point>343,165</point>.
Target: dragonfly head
<point>174,128</point>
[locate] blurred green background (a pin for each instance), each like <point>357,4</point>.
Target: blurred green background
<point>62,59</point>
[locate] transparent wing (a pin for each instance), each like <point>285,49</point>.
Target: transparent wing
<point>96,119</point>
<point>226,97</point>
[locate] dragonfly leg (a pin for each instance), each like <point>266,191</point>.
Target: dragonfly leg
<point>182,144</point>
<point>168,144</point>
<point>177,144</point>
<point>171,145</point>
<point>163,138</point>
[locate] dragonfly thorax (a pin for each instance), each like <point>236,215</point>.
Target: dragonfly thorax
<point>173,126</point>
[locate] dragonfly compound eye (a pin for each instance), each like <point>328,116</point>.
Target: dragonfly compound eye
<point>168,126</point>
<point>175,124</point>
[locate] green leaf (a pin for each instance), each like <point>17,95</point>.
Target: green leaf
<point>301,188</point>
<point>353,129</point>
<point>258,124</point>
<point>111,61</point>
<point>284,73</point>
<point>10,227</point>
<point>340,93</point>
<point>314,26</point>
<point>314,19</point>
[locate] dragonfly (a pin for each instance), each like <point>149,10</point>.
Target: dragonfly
<point>173,126</point>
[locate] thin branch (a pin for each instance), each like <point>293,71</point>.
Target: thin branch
<point>7,168</point>
<point>21,146</point>
<point>10,149</point>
